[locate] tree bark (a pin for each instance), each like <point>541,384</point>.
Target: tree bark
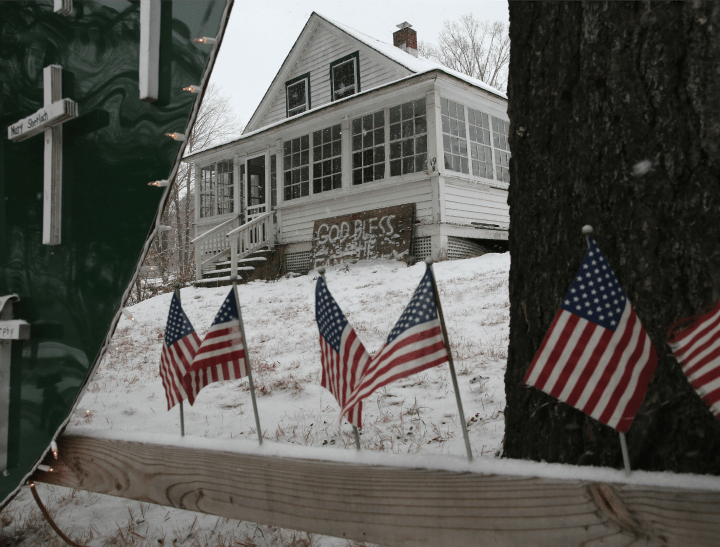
<point>594,89</point>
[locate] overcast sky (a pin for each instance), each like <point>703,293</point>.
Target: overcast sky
<point>261,33</point>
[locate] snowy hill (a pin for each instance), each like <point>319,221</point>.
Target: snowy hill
<point>415,415</point>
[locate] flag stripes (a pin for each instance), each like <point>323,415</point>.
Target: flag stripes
<point>696,345</point>
<point>596,356</point>
<point>180,345</point>
<point>414,344</point>
<point>340,380</point>
<point>343,356</point>
<point>221,355</point>
<point>422,348</point>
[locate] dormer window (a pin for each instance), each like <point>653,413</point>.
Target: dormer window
<point>297,95</point>
<point>345,76</point>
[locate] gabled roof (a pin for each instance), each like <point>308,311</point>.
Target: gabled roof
<point>415,65</point>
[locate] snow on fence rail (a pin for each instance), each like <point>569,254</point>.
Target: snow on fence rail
<point>396,500</point>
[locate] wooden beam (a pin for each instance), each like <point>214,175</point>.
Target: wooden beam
<point>385,504</point>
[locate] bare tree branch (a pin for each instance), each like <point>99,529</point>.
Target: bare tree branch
<point>171,251</point>
<point>480,49</point>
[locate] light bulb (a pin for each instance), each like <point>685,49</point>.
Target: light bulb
<point>193,88</point>
<point>126,313</point>
<point>205,40</point>
<point>159,183</point>
<point>45,468</point>
<point>176,136</point>
<point>54,448</point>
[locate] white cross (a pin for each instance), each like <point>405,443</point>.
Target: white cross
<point>48,120</point>
<point>149,50</point>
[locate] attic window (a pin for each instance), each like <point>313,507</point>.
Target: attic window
<point>345,76</point>
<point>297,95</point>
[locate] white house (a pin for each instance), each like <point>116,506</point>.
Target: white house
<point>352,124</point>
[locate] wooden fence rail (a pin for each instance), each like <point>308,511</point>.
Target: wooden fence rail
<point>387,504</point>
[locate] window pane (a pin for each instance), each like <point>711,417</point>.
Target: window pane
<point>407,111</point>
<point>357,176</point>
<point>367,122</point>
<point>394,114</point>
<point>373,134</point>
<point>356,126</point>
<point>395,132</point>
<point>420,162</point>
<point>305,142</point>
<point>343,76</point>
<point>380,171</point>
<point>296,96</point>
<point>395,168</point>
<point>408,165</point>
<point>357,142</point>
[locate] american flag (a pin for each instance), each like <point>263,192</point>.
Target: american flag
<point>221,355</point>
<point>179,348</point>
<point>696,345</point>
<point>414,344</point>
<point>596,356</point>
<point>343,355</point>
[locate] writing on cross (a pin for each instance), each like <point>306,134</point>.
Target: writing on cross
<point>48,121</point>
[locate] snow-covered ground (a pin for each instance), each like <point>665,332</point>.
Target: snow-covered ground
<point>415,415</point>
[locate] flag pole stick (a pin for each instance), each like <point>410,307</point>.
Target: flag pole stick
<point>182,414</point>
<point>321,271</point>
<point>587,231</point>
<point>429,263</point>
<point>233,279</point>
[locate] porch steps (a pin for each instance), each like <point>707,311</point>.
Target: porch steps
<point>220,275</point>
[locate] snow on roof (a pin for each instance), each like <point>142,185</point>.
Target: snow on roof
<point>416,64</point>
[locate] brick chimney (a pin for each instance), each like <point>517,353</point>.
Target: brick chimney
<point>406,39</point>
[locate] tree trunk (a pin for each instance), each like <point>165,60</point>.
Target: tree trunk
<point>594,89</point>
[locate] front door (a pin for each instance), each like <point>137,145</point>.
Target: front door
<point>255,189</point>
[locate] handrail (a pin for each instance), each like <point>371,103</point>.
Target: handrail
<point>249,224</point>
<point>213,230</point>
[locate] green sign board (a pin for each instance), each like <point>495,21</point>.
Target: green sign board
<point>87,96</point>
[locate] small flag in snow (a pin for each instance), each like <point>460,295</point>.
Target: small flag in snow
<point>179,348</point>
<point>596,356</point>
<point>414,344</point>
<point>343,355</point>
<point>695,341</point>
<point>221,355</point>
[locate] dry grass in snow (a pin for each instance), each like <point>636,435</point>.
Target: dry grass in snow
<point>415,415</point>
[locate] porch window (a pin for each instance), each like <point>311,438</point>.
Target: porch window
<point>217,189</point>
<point>207,191</point>
<point>501,130</point>
<point>297,95</point>
<point>368,148</point>
<point>225,187</point>
<point>408,138</point>
<point>480,151</point>
<point>454,138</point>
<point>273,181</point>
<point>345,76</point>
<point>296,162</point>
<point>327,172</point>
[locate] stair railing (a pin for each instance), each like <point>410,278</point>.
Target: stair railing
<point>213,245</point>
<point>249,237</point>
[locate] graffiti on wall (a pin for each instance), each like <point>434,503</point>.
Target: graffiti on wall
<point>380,233</point>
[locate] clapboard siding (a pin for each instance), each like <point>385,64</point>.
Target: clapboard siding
<point>297,221</point>
<point>466,204</point>
<point>323,48</point>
